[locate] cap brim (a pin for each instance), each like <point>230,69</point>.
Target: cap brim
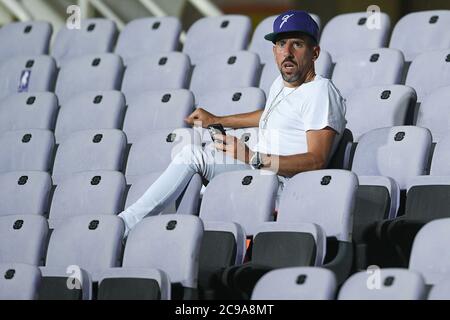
<point>271,36</point>
<point>274,35</point>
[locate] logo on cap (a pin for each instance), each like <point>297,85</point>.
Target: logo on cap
<point>285,19</point>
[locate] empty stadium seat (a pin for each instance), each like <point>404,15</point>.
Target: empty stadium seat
<point>19,281</point>
<point>418,32</point>
<point>25,38</point>
<point>367,32</point>
<point>88,193</point>
<point>429,71</point>
<point>202,37</point>
<point>96,36</point>
<point>155,150</point>
<point>156,72</point>
<point>146,36</point>
<point>368,68</point>
<point>384,284</point>
<point>230,70</point>
<point>154,110</point>
<point>27,74</point>
<point>90,110</point>
<point>25,192</point>
<point>26,150</point>
<point>378,107</point>
<point>299,283</point>
<point>23,239</point>
<point>89,73</point>
<point>434,113</point>
<point>89,150</point>
<point>28,111</point>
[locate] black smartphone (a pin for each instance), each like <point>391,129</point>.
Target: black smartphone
<point>216,128</point>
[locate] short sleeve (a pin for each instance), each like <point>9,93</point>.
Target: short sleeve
<point>325,107</point>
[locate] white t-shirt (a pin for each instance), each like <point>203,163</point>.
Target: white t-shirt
<point>290,112</point>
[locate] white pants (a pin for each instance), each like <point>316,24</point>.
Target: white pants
<point>168,187</point>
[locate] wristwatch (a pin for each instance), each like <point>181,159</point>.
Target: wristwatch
<point>256,161</point>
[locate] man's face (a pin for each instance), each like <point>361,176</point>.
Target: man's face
<point>294,57</point>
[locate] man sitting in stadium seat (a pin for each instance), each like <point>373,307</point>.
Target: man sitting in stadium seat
<point>299,128</point>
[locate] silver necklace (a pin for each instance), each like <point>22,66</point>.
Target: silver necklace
<point>273,105</point>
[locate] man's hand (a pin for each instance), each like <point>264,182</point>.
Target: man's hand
<point>233,147</point>
<point>200,115</point>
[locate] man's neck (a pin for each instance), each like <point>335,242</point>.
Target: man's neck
<point>309,76</point>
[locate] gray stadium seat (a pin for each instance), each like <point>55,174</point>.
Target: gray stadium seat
<point>167,242</point>
<point>27,74</point>
<point>26,150</point>
<point>28,111</point>
<point>154,110</point>
<point>156,72</point>
<point>146,36</point>
<point>89,150</point>
<point>384,284</point>
<point>434,113</point>
<point>25,38</point>
<point>187,203</point>
<point>19,281</point>
<point>418,32</point>
<point>88,193</point>
<point>155,150</point>
<point>429,71</point>
<point>237,69</point>
<point>90,110</point>
<point>96,36</point>
<point>25,192</point>
<point>298,283</point>
<point>235,191</point>
<point>22,239</point>
<point>368,68</point>
<point>232,30</point>
<point>440,291</point>
<point>364,34</point>
<point>100,72</point>
<point>441,156</point>
<point>378,107</point>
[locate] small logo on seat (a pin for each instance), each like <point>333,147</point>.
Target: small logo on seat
<point>385,94</point>
<point>224,24</point>
<point>171,225</point>
<point>434,19</point>
<point>301,279</point>
<point>166,97</point>
<point>28,29</point>
<point>94,224</point>
<point>399,136</point>
<point>26,138</point>
<point>171,137</point>
<point>232,60</point>
<point>96,180</point>
<point>22,180</point>
<point>18,224</point>
<point>156,25</point>
<point>10,274</point>
<point>389,281</point>
<point>247,180</point>
<point>31,100</point>
<point>98,99</point>
<point>97,138</point>
<point>325,180</point>
<point>237,96</point>
<point>162,61</point>
<point>374,57</point>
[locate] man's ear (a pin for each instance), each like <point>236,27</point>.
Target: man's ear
<point>316,53</point>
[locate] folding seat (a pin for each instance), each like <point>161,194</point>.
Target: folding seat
<point>231,70</point>
<point>261,46</point>
<point>23,239</point>
<point>440,291</point>
<point>79,249</point>
<point>25,192</point>
<point>146,36</point>
<point>368,68</point>
<point>170,243</point>
<point>89,73</point>
<point>96,36</point>
<point>27,74</point>
<point>378,107</point>
<point>89,150</point>
<point>154,151</point>
<point>26,150</point>
<point>19,281</point>
<point>368,32</point>
<point>25,38</point>
<point>429,71</point>
<point>422,31</point>
<point>429,254</point>
<point>88,193</point>
<point>156,72</point>
<point>384,284</point>
<point>28,111</point>
<point>434,113</point>
<point>90,110</point>
<point>298,283</point>
<point>154,110</point>
<point>201,38</point>
<point>187,203</point>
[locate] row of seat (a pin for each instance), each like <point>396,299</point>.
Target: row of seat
<point>156,35</point>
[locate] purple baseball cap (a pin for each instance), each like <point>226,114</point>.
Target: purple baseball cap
<point>293,21</point>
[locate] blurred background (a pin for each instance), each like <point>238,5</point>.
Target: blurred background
<point>122,11</point>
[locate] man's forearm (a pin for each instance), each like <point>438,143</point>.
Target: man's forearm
<point>242,120</point>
